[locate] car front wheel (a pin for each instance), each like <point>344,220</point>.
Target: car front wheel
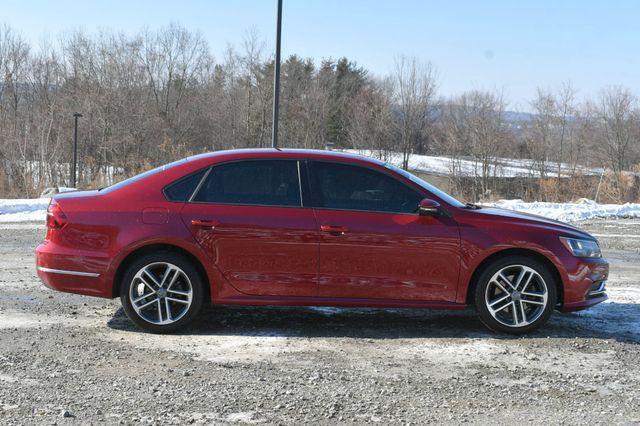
<point>515,295</point>
<point>161,292</point>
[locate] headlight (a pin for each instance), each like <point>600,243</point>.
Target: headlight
<point>581,248</point>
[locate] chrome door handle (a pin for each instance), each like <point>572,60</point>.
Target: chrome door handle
<point>203,223</point>
<point>339,230</point>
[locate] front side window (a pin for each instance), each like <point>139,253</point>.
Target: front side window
<point>252,182</point>
<point>347,187</point>
<point>424,184</point>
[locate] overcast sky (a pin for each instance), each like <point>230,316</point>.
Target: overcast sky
<point>513,46</point>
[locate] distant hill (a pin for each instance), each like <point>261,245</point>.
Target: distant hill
<point>519,117</point>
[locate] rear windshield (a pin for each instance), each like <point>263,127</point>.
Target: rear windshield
<point>142,175</point>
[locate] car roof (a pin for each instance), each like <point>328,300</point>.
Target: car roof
<point>158,178</point>
<point>246,153</point>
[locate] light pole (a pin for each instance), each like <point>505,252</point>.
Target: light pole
<point>76,115</point>
<point>276,80</point>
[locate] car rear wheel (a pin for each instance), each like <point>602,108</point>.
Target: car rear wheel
<point>161,292</point>
<point>515,295</point>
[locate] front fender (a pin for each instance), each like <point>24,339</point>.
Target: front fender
<point>476,249</point>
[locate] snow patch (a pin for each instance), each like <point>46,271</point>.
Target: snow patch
<point>572,212</point>
<point>24,210</point>
<point>219,348</point>
<point>502,167</point>
<point>10,379</point>
<point>243,417</point>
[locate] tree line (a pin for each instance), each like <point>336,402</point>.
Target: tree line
<point>156,96</point>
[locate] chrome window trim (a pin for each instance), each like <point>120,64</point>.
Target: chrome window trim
<point>300,183</point>
<point>199,185</point>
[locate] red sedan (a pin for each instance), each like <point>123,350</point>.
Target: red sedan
<point>301,227</point>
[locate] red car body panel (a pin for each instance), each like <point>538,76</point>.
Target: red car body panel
<point>491,231</point>
<point>388,256</point>
<point>261,251</point>
<point>300,255</point>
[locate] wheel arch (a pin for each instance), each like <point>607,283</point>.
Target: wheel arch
<point>473,281</point>
<point>153,248</point>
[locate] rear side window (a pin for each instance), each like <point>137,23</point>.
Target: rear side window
<point>253,182</point>
<point>182,189</point>
<point>347,187</point>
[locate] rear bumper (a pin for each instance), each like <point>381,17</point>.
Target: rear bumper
<point>71,272</point>
<point>585,286</point>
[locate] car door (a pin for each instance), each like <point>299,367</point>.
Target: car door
<point>248,217</point>
<point>373,244</point>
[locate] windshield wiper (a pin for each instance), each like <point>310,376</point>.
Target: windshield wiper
<point>472,206</point>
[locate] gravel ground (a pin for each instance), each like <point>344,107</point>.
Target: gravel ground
<point>66,358</point>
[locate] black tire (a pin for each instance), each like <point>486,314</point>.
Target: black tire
<point>540,314</point>
<point>188,314</point>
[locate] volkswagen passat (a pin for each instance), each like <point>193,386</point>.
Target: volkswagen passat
<point>310,228</point>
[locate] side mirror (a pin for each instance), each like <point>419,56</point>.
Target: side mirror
<point>428,207</point>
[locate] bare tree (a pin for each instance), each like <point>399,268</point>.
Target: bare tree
<point>414,91</point>
<point>567,120</point>
<point>371,121</point>
<point>476,129</point>
<point>14,58</point>
<point>618,123</point>
<point>159,95</point>
<point>543,131</point>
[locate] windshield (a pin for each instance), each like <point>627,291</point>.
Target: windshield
<point>432,189</point>
<point>142,175</point>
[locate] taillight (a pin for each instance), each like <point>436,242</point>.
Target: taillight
<point>56,219</point>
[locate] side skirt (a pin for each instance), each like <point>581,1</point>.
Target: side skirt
<point>336,302</point>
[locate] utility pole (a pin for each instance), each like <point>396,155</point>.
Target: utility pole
<point>76,115</point>
<point>276,80</point>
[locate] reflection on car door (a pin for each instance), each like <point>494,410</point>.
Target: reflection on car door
<point>249,218</point>
<point>373,244</point>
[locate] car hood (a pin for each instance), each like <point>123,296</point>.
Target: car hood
<point>533,220</point>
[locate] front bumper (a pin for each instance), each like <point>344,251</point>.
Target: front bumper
<point>578,306</point>
<point>585,284</point>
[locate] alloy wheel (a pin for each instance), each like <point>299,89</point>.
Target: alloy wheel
<point>516,296</point>
<point>161,293</point>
